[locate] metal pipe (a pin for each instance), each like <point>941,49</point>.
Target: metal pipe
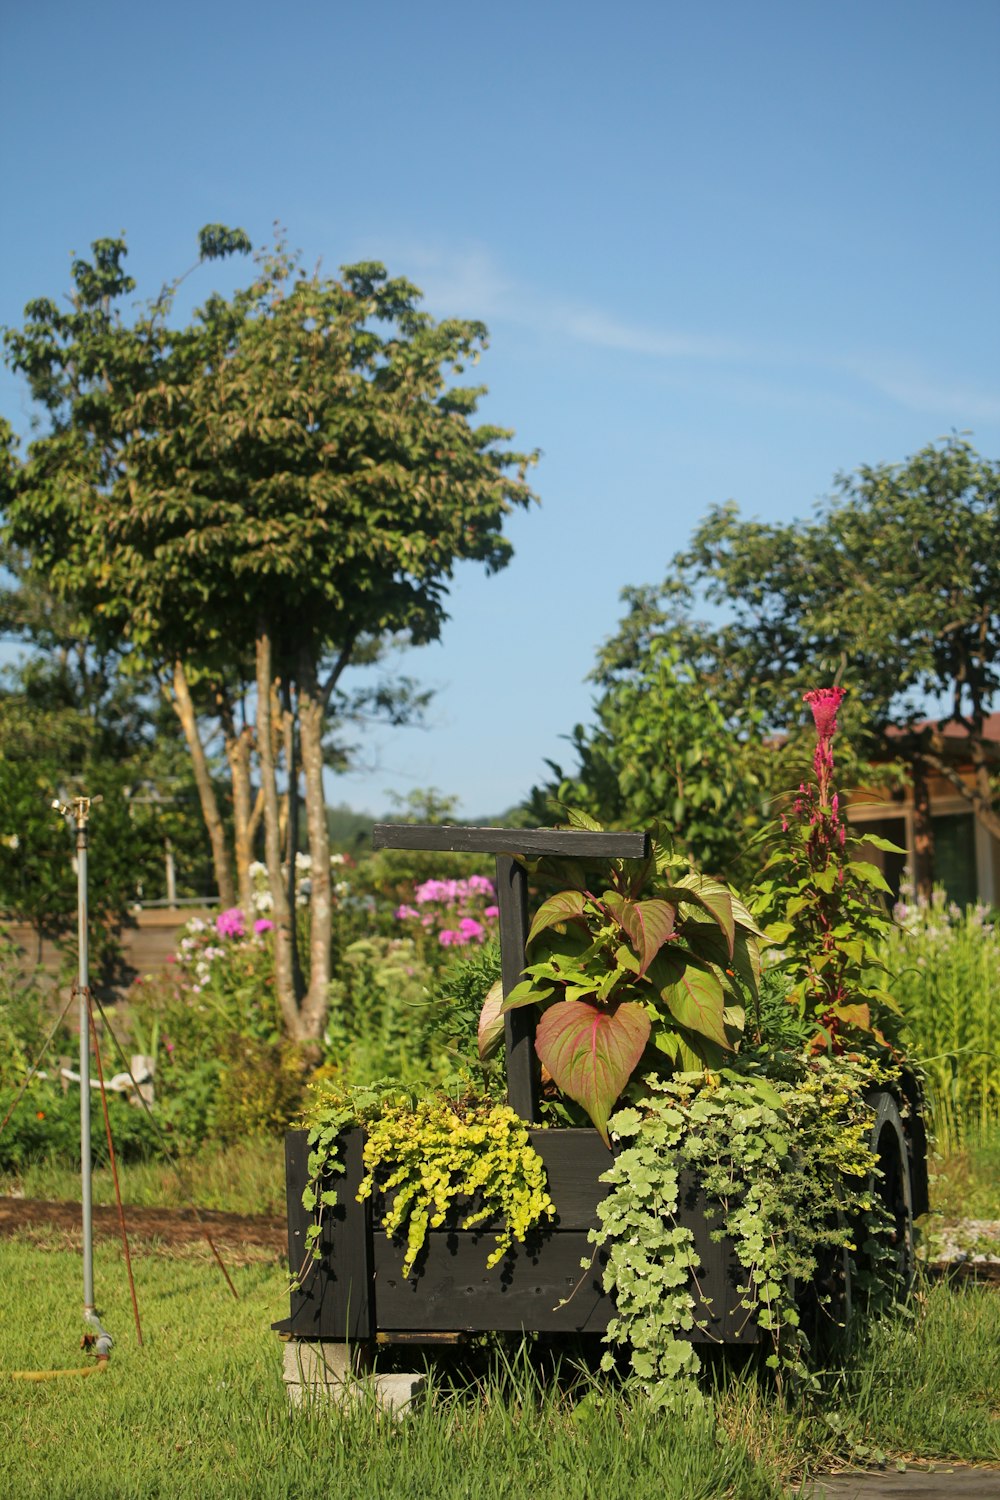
<point>81,808</point>
<point>77,811</point>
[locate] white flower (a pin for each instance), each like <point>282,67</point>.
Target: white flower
<point>12,840</point>
<point>303,861</point>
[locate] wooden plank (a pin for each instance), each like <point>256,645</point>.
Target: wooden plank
<point>357,1288</point>
<point>574,1161</point>
<point>532,842</point>
<point>454,1291</point>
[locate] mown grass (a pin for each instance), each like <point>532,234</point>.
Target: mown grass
<point>201,1410</point>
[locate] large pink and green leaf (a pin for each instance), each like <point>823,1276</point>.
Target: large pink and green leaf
<point>491,1022</point>
<point>591,1051</point>
<point>713,897</point>
<point>647,924</point>
<point>692,993</point>
<point>565,906</point>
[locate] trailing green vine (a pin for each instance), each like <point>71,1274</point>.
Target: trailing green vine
<point>425,1158</point>
<point>428,1159</point>
<point>786,1168</point>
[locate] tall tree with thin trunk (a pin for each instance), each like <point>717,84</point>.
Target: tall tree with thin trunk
<point>291,480</point>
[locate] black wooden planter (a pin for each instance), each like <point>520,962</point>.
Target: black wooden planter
<point>356,1290</point>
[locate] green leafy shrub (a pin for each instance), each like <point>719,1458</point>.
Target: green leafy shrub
<point>651,970</point>
<point>260,1088</point>
<point>46,1126</point>
<point>773,1155</point>
<point>946,964</point>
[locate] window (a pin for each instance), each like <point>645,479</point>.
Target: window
<point>955,856</point>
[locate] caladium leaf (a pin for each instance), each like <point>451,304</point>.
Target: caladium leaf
<point>692,993</point>
<point>491,1022</point>
<point>712,896</point>
<point>743,961</point>
<point>689,1054</point>
<point>647,924</point>
<point>745,917</point>
<point>562,907</point>
<point>591,1051</point>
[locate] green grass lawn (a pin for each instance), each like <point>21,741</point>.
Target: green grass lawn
<point>200,1409</point>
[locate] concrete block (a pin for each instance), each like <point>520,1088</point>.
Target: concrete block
<point>332,1373</point>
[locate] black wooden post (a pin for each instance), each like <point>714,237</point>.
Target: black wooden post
<point>512,894</point>
<point>523,1069</point>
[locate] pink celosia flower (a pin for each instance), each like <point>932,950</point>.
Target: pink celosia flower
<point>263,925</point>
<point>404,912</point>
<point>824,703</point>
<point>491,912</point>
<point>471,930</point>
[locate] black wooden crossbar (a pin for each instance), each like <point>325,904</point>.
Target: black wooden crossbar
<point>512,898</point>
<point>575,843</point>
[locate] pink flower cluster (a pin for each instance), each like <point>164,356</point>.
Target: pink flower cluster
<point>452,892</point>
<point>232,924</point>
<point>461,910</point>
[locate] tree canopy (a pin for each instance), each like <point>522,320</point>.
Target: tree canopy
<point>255,501</point>
<point>892,589</point>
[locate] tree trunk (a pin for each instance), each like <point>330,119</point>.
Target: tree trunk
<point>283,917</point>
<point>923,831</point>
<point>238,747</point>
<point>184,708</point>
<point>311,717</point>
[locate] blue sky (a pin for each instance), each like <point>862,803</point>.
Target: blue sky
<point>724,251</point>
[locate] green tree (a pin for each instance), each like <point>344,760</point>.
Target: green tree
<point>892,590</point>
<point>664,750</point>
<point>259,500</point>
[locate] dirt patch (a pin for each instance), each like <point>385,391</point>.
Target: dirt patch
<point>173,1228</point>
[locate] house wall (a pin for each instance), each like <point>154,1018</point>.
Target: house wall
<point>153,935</point>
<point>873,807</point>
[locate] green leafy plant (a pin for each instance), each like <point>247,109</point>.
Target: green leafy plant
<point>821,905</point>
<point>946,964</point>
<point>651,960</point>
<point>425,1158</point>
<point>772,1156</point>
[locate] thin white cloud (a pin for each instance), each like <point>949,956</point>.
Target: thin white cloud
<point>912,388</point>
<point>591,326</point>
<point>470,282</point>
